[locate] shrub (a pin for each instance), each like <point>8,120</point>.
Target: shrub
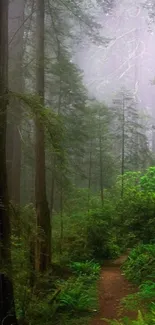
<point>42,309</point>
<point>140,264</point>
<point>74,225</point>
<point>76,296</point>
<point>140,269</point>
<point>141,320</point>
<point>136,210</point>
<point>101,230</point>
<point>89,268</point>
<point>97,239</point>
<point>144,297</point>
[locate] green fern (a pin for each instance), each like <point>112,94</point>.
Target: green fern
<point>89,268</point>
<point>77,296</point>
<point>140,321</point>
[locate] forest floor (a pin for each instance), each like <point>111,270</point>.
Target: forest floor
<point>112,288</point>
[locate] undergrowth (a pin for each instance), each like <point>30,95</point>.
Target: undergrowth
<point>81,242</point>
<point>140,265</point>
<point>142,319</point>
<point>139,268</point>
<point>58,300</point>
<point>89,268</point>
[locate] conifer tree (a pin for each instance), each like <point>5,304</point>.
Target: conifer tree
<point>7,308</point>
<point>43,248</point>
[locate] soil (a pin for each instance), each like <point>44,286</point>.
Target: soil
<point>112,288</point>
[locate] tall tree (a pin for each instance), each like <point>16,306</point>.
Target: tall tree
<point>90,170</point>
<point>129,134</point>
<point>7,308</point>
<point>16,36</point>
<point>121,102</point>
<point>43,214</point>
<point>101,161</point>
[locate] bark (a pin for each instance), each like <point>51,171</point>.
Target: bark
<point>52,208</point>
<point>43,250</point>
<point>52,185</point>
<point>54,158</point>
<point>16,18</point>
<point>90,172</point>
<point>61,219</point>
<point>7,308</point>
<point>16,164</point>
<point>101,163</point>
<point>9,153</point>
<point>123,145</point>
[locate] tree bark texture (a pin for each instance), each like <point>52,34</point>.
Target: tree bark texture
<point>43,250</point>
<point>7,308</point>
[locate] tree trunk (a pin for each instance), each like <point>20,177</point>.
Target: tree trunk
<point>16,163</point>
<point>53,183</point>
<point>123,145</point>
<point>7,308</point>
<point>43,252</point>
<point>51,209</point>
<point>16,33</point>
<point>101,163</point>
<point>90,172</point>
<point>61,218</point>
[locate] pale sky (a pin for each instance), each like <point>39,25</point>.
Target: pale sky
<point>129,58</point>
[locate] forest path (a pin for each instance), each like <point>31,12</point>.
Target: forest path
<point>112,288</point>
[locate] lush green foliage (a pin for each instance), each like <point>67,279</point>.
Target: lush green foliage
<point>89,268</point>
<point>135,215</point>
<point>141,320</point>
<point>90,235</point>
<point>139,268</point>
<point>102,238</point>
<point>98,237</point>
<point>140,264</point>
<point>78,294</point>
<point>84,145</point>
<point>60,294</point>
<point>136,210</point>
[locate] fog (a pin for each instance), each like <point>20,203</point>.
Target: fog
<point>128,60</point>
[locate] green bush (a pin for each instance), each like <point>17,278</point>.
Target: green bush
<point>140,264</point>
<point>89,268</point>
<point>98,235</point>
<point>140,269</point>
<point>144,297</point>
<point>102,237</point>
<point>74,235</point>
<point>135,212</point>
<point>141,320</point>
<point>42,309</point>
<point>76,296</point>
<point>60,299</point>
<point>147,181</point>
<point>147,292</point>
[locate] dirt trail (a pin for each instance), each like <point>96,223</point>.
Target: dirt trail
<point>112,288</point>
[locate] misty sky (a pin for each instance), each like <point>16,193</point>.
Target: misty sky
<point>128,60</point>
